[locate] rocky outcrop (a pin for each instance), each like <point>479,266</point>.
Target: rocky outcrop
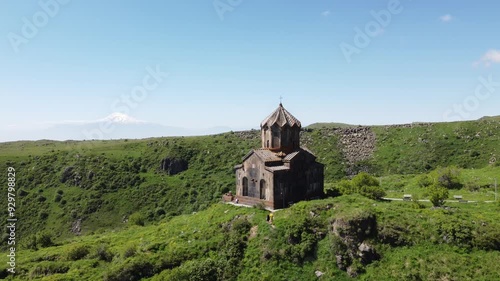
<point>351,244</point>
<point>357,144</point>
<point>76,227</point>
<point>71,176</point>
<point>173,166</point>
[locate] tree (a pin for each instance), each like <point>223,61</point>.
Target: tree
<point>437,194</point>
<point>449,178</point>
<point>362,183</point>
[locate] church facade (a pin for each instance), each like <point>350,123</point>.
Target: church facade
<point>281,172</point>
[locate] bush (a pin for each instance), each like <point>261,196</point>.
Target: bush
<point>364,179</point>
<point>30,242</point>
<point>132,270</point>
<point>77,252</point>
<point>22,193</point>
<point>199,270</point>
<point>302,237</point>
<point>103,253</point>
<point>487,238</point>
<point>129,251</point>
<point>362,183</point>
<point>136,219</point>
<point>424,180</point>
<point>449,178</point>
<point>43,215</point>
<point>472,186</point>
<point>57,198</point>
<point>160,211</point>
<point>458,233</point>
<point>48,268</point>
<point>339,188</point>
<point>393,233</point>
<point>241,226</point>
<point>437,194</point>
<point>44,240</point>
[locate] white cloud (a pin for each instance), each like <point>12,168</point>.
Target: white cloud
<point>446,18</point>
<point>490,57</point>
<point>326,13</point>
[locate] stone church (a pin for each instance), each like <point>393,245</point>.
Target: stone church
<point>280,172</point>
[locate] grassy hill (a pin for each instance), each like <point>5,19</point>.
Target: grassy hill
<point>223,242</point>
<point>97,189</point>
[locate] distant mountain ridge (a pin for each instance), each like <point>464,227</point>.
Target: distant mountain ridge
<point>122,126</point>
<point>114,126</point>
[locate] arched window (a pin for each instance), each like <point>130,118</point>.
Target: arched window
<point>275,140</point>
<point>263,189</point>
<point>245,186</point>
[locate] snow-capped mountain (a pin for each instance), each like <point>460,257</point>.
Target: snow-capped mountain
<point>113,126</point>
<point>121,118</point>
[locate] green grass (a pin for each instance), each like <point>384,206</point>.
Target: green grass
<point>127,177</point>
<point>478,185</point>
<point>172,248</point>
<point>112,180</point>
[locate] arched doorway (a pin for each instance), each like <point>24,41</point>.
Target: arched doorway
<point>245,186</point>
<point>263,189</point>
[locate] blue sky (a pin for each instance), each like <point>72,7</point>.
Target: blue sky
<point>229,61</point>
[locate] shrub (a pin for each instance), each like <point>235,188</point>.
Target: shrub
<point>364,179</point>
<point>160,211</point>
<point>22,193</point>
<point>362,183</point>
<point>302,237</point>
<point>44,240</point>
<point>449,178</point>
<point>437,194</point>
<point>487,238</point>
<point>129,251</point>
<point>30,242</point>
<point>424,180</point>
<point>132,270</point>
<point>43,215</point>
<point>103,253</point>
<point>199,270</point>
<point>339,188</point>
<point>48,268</point>
<point>136,219</point>
<point>416,204</point>
<point>472,186</point>
<point>393,233</point>
<point>77,252</point>
<point>57,198</point>
<point>241,226</point>
<point>458,233</point>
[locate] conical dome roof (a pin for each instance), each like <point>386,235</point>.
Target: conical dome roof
<point>281,117</point>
